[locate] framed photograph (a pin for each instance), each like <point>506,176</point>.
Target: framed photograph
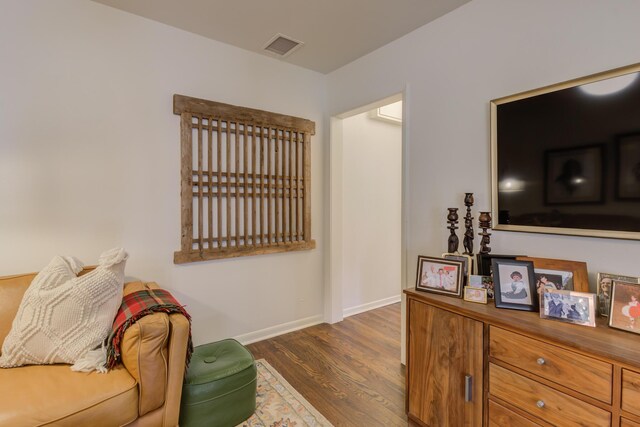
<point>482,282</point>
<point>484,263</point>
<point>564,275</point>
<point>628,167</point>
<point>554,280</point>
<point>514,283</point>
<point>478,295</point>
<point>467,265</point>
<point>574,175</point>
<point>569,306</point>
<point>439,275</point>
<point>605,283</point>
<point>625,307</point>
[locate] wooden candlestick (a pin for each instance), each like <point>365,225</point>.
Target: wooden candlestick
<point>485,223</point>
<point>468,223</point>
<point>452,219</point>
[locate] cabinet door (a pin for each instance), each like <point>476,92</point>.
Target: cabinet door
<point>444,367</point>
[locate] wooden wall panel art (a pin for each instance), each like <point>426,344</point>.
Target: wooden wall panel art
<point>245,181</point>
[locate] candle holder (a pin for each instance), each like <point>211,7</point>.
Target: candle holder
<point>452,219</point>
<point>468,224</point>
<point>485,224</point>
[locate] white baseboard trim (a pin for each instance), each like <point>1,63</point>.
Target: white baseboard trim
<point>371,305</point>
<point>274,331</point>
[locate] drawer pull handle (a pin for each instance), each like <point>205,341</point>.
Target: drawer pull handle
<point>468,388</point>
<point>541,361</point>
<point>540,404</point>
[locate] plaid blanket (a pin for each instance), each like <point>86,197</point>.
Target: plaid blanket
<point>135,306</point>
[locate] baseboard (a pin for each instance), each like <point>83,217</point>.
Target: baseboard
<point>371,305</point>
<point>274,331</point>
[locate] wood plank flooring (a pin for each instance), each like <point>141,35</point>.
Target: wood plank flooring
<point>349,371</point>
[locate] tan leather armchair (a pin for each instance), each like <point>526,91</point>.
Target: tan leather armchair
<point>143,391</point>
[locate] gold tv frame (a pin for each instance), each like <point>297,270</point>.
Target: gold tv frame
<point>629,235</point>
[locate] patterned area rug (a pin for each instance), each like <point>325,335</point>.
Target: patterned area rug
<point>280,405</point>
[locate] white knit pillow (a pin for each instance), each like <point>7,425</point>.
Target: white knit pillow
<point>61,316</point>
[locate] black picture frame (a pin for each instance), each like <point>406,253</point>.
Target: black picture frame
<point>628,167</point>
<point>425,272</point>
<point>484,262</point>
<point>505,273</point>
<point>574,175</point>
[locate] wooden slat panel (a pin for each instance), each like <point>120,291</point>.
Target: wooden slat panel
<point>297,189</point>
<point>252,184</point>
<point>306,211</point>
<point>246,198</point>
<point>182,258</point>
<point>210,175</point>
<point>228,170</point>
<point>183,103</point>
<point>219,151</point>
<point>186,190</point>
<point>200,203</point>
<point>262,220</point>
<point>277,185</point>
<point>236,233</point>
<point>284,173</point>
<point>290,149</point>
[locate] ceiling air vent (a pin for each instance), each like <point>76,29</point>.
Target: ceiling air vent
<point>282,45</point>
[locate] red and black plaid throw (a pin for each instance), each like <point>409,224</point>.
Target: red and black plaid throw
<point>135,306</point>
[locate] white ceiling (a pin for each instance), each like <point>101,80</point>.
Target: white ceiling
<point>335,32</point>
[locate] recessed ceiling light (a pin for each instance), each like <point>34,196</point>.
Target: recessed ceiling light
<point>282,45</point>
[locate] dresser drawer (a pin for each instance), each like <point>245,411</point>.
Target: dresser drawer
<point>543,402</point>
<point>499,416</point>
<point>631,391</point>
<point>628,423</point>
<point>580,373</point>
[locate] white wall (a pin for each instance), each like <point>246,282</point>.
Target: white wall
<point>89,155</point>
<point>371,209</point>
<point>452,67</point>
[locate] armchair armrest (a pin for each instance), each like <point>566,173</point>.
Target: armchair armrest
<point>154,352</point>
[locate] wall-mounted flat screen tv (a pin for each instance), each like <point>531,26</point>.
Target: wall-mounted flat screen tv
<point>566,158</point>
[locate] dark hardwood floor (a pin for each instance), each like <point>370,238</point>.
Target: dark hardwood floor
<point>349,371</point>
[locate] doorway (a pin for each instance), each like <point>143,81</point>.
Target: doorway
<point>367,174</point>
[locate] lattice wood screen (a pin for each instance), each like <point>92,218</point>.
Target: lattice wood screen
<point>246,184</point>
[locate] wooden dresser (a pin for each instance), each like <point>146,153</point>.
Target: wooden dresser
<point>472,364</point>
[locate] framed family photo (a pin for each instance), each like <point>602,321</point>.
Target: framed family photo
<point>514,284</point>
<point>478,295</point>
<point>605,283</point>
<point>568,306</point>
<point>559,274</point>
<point>625,307</point>
<point>484,282</point>
<point>440,275</point>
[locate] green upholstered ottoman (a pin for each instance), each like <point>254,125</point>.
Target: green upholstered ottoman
<point>220,387</point>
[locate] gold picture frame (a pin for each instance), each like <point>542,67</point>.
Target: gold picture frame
<point>593,78</point>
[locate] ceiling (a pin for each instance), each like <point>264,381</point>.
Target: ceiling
<point>334,32</point>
